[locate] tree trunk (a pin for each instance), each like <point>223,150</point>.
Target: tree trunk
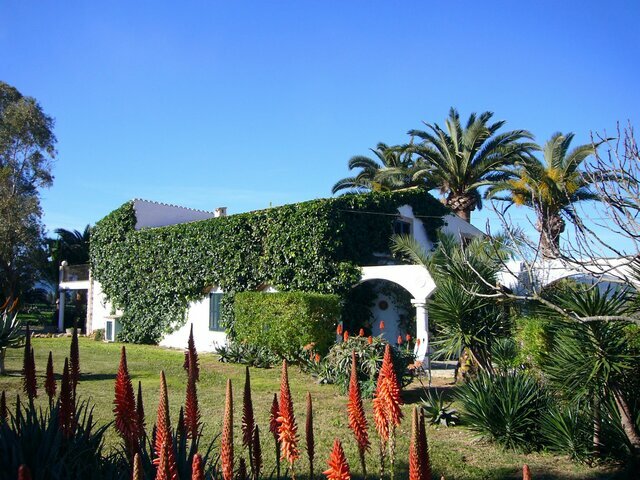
<point>597,425</point>
<point>462,205</point>
<point>550,227</point>
<point>626,419</point>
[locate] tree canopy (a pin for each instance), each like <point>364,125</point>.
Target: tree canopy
<point>27,150</point>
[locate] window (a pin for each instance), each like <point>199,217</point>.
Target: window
<point>402,227</point>
<point>215,312</point>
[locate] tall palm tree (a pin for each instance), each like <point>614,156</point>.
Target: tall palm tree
<point>460,160</point>
<point>551,187</point>
<point>393,169</point>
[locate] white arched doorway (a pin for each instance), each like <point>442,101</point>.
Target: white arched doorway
<point>419,283</point>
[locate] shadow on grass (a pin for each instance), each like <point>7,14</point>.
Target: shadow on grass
<point>90,377</point>
<point>415,393</point>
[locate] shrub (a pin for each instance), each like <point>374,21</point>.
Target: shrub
<point>568,431</point>
<point>336,366</point>
<point>533,338</point>
<point>247,354</point>
<point>504,408</point>
<point>438,410</point>
<point>33,437</point>
<point>285,322</point>
<point>98,334</point>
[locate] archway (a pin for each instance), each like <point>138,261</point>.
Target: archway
<point>419,283</point>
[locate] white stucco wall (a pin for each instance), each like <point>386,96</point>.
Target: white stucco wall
<point>205,340</point>
<point>456,227</point>
<point>154,214</point>
<point>99,308</point>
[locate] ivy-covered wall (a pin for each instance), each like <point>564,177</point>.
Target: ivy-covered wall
<point>315,246</point>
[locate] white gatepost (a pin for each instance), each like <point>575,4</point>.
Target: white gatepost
<point>422,330</point>
<point>61,279</point>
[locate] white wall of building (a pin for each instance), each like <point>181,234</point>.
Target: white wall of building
<point>154,214</point>
<point>99,309</point>
<point>205,340</point>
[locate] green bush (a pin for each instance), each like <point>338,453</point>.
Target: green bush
<point>285,322</point>
<point>336,366</point>
<point>533,338</point>
<point>567,430</point>
<point>505,408</point>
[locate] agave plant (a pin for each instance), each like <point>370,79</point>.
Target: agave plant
<point>10,335</point>
<point>438,410</point>
<point>33,437</point>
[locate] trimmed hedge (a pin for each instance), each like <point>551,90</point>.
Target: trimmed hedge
<point>285,322</point>
<point>316,246</point>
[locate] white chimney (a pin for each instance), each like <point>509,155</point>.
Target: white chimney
<point>220,212</point>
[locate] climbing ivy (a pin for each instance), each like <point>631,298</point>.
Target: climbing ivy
<point>152,274</point>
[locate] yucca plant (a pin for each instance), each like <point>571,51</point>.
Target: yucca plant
<point>505,408</point>
<point>10,335</point>
<point>567,431</point>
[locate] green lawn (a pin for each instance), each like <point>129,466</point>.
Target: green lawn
<point>454,452</point>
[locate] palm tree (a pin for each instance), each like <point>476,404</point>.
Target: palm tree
<point>551,186</point>
<point>593,363</point>
<point>459,161</point>
<point>393,169</point>
<point>72,245</point>
<point>467,320</point>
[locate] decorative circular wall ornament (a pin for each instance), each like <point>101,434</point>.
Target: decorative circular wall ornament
<point>383,305</point>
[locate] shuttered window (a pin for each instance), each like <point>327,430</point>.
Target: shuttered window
<point>214,312</point>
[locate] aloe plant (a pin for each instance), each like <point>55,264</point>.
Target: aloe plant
<point>10,336</point>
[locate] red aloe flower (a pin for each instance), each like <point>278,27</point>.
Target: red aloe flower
<point>339,329</point>
<point>24,473</point>
<point>357,418</point>
<point>309,434</point>
<point>361,332</point>
<point>273,417</point>
<point>418,342</point>
<point>256,453</point>
<point>163,431</point>
<point>191,355</point>
<point>242,470</point>
<point>137,468</point>
<point>126,419</point>
<point>197,468</point>
<point>66,413</point>
<point>338,466</point>
<point>140,409</point>
<point>30,386</point>
<point>369,339</point>
<point>164,468</point>
<point>226,443</point>
<point>526,473</point>
<point>74,361</point>
<point>407,337</point>
<point>391,388</point>
<point>399,341</point>
<point>345,336</point>
<point>4,414</point>
<point>317,358</point>
<point>191,407</point>
<point>50,381</point>
<point>287,428</point>
<point>381,325</point>
<point>248,420</point>
<point>274,425</point>
<point>419,465</point>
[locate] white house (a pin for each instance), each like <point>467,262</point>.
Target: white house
<point>204,314</point>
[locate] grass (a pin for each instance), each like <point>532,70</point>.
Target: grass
<point>454,451</point>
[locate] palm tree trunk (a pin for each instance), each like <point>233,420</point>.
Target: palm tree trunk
<point>597,425</point>
<point>550,227</point>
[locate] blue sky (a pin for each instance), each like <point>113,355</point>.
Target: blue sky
<point>250,103</point>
